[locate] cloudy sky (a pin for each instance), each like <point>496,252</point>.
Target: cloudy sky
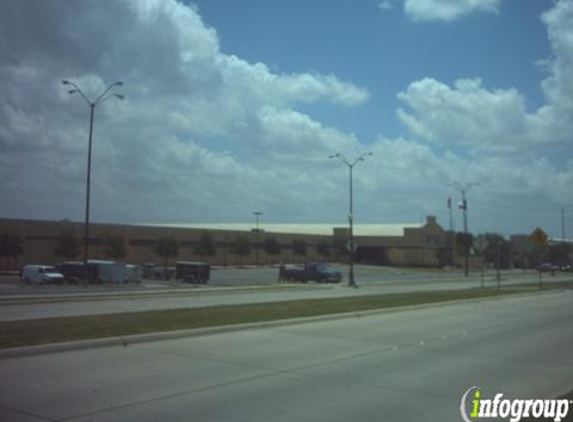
<point>234,106</point>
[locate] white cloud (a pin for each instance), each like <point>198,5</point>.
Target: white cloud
<point>197,138</point>
<point>497,120</point>
<point>385,5</point>
<point>467,114</point>
<point>447,10</point>
<point>558,87</point>
<point>205,136</point>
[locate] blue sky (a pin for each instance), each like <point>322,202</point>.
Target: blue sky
<point>235,106</point>
<point>383,50</point>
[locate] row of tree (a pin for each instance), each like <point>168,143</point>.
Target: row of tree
<point>241,246</point>
<point>69,246</point>
<point>499,251</point>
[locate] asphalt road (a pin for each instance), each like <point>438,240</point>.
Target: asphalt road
<point>48,306</point>
<point>403,366</point>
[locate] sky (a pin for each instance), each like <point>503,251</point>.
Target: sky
<point>234,107</point>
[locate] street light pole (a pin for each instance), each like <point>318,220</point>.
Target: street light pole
<point>351,281</point>
<point>105,95</point>
<point>563,234</point>
<point>463,189</point>
<point>257,214</point>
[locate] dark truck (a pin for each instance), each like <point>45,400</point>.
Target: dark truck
<point>313,271</point>
<point>193,272</point>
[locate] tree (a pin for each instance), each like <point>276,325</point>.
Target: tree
<point>166,247</point>
<point>464,241</point>
<point>495,241</point>
<point>271,246</point>
<point>114,247</point>
<point>322,248</point>
<point>11,246</point>
<point>241,246</point>
<point>68,245</point>
<point>206,245</point>
<point>299,247</point>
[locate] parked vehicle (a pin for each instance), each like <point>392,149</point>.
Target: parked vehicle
<point>148,269</point>
<point>74,271</point>
<point>547,267</point>
<point>109,271</point>
<point>41,274</point>
<point>193,272</point>
<point>99,271</point>
<point>159,272</point>
<point>133,273</point>
<point>313,271</point>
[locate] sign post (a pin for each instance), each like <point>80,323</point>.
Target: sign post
<point>540,237</point>
<point>481,245</point>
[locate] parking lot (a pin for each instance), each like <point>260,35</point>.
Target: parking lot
<point>229,277</point>
<point>378,276</point>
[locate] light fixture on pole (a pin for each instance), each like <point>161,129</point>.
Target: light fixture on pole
<point>350,165</point>
<point>463,189</point>
<point>105,95</point>
<point>563,207</point>
<point>257,215</point>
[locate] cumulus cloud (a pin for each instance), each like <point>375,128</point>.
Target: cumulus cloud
<point>195,138</point>
<point>497,120</point>
<point>469,114</point>
<point>385,5</point>
<point>206,136</point>
<point>447,10</point>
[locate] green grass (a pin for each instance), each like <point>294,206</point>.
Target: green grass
<point>54,330</point>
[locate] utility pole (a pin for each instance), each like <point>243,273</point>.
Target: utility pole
<point>563,208</point>
<point>257,214</point>
<point>463,189</point>
<point>105,95</point>
<point>451,233</point>
<point>350,165</point>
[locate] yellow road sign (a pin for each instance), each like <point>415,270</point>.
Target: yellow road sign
<point>539,236</point>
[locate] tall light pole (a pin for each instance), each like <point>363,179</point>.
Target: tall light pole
<point>463,189</point>
<point>350,165</point>
<point>105,95</point>
<point>257,215</point>
<point>563,208</point>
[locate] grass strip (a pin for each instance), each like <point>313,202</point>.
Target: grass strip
<point>61,329</point>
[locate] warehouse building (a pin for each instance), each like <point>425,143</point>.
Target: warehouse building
<point>400,245</point>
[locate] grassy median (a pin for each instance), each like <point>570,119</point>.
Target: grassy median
<point>54,330</point>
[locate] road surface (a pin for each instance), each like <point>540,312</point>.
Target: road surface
<point>403,366</point>
<point>37,306</point>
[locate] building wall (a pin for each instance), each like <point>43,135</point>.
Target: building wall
<point>40,239</point>
<point>421,246</point>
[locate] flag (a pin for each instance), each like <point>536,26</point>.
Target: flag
<point>450,203</point>
<point>463,205</point>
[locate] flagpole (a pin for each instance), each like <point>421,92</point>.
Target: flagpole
<point>451,234</point>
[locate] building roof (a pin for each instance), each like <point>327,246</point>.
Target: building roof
<point>308,229</point>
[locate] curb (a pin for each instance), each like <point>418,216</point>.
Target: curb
<point>28,300</point>
<point>125,341</point>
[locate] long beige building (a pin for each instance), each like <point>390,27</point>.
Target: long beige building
<point>401,245</point>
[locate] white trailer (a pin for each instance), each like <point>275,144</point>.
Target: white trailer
<point>133,273</point>
<point>110,271</point>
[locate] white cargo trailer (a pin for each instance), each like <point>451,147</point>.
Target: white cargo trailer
<point>109,271</point>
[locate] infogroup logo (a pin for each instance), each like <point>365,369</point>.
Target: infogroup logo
<point>478,408</point>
